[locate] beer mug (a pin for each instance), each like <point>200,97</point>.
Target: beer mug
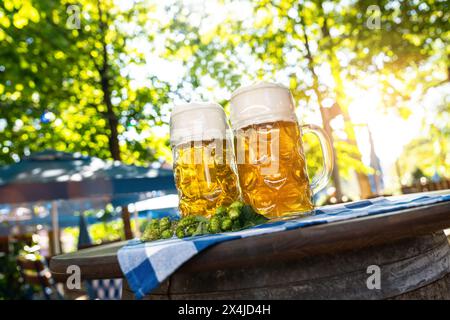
<point>269,151</point>
<point>204,164</point>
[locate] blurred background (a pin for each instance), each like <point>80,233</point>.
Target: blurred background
<point>88,85</point>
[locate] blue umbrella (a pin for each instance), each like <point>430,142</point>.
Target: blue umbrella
<point>53,176</point>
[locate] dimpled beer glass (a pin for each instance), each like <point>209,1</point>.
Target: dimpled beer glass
<point>269,151</point>
<point>204,163</point>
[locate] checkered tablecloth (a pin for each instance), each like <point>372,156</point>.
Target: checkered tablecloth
<point>104,289</point>
<point>146,265</point>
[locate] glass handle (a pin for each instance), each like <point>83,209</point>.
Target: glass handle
<point>321,180</point>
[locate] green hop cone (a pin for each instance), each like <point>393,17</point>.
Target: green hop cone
<point>226,224</point>
<point>234,213</point>
<point>164,224</point>
<point>186,221</point>
<point>214,224</point>
<point>166,234</point>
<point>154,224</point>
<point>179,232</point>
<point>151,233</point>
<point>221,212</point>
<point>237,205</point>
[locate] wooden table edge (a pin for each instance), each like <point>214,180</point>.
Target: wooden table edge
<point>293,244</point>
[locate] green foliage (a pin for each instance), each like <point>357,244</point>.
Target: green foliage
<point>429,153</point>
<point>425,157</point>
<point>12,286</point>
<point>79,79</point>
<point>100,232</point>
<point>107,231</point>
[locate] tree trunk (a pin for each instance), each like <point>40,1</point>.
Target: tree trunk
<point>104,76</point>
<point>363,179</point>
<point>112,119</point>
<point>111,116</point>
<point>126,223</point>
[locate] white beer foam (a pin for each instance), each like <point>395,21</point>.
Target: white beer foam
<point>197,121</point>
<point>261,102</point>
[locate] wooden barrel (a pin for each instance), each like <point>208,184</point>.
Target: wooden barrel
<point>413,268</point>
<point>325,261</point>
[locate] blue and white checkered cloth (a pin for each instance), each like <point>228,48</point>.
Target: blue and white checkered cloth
<point>104,289</point>
<point>147,265</point>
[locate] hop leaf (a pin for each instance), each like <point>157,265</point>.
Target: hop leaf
<point>250,217</point>
<point>202,228</point>
<point>236,225</point>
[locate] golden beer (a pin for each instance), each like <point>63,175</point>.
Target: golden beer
<point>274,184</point>
<point>269,151</point>
<point>204,164</point>
<point>204,177</point>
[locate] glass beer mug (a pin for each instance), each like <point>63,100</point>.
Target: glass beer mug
<point>269,151</point>
<point>204,164</point>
